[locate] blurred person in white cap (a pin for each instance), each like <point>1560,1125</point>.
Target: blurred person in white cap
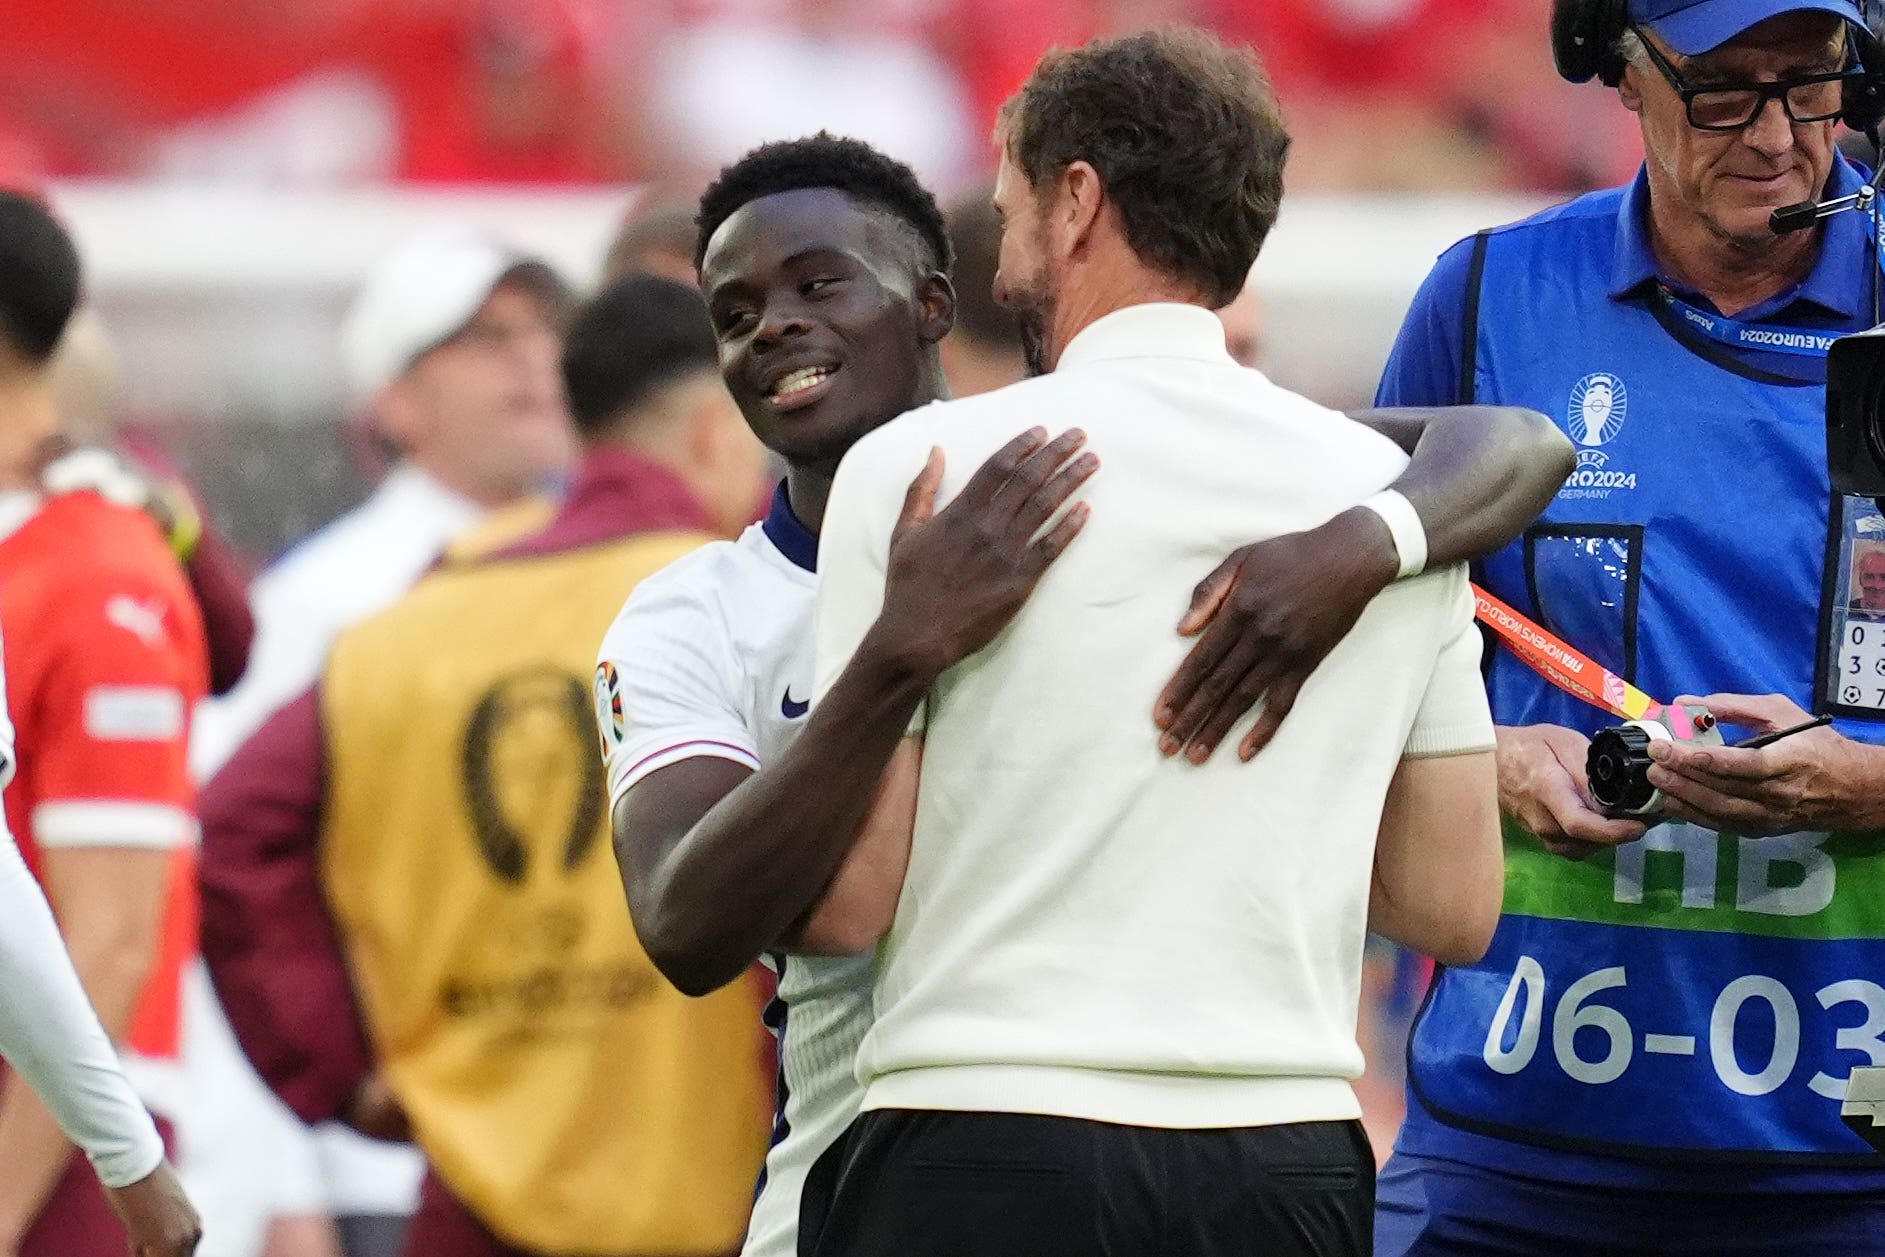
<point>410,906</point>
<point>451,348</point>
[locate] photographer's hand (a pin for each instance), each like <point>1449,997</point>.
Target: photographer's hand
<point>1815,780</point>
<point>1542,787</point>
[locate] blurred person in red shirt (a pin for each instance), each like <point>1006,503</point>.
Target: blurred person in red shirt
<point>106,662</point>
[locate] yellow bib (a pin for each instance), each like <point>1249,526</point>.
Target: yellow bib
<point>571,1097</point>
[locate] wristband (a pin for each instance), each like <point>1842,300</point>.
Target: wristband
<point>1404,526</point>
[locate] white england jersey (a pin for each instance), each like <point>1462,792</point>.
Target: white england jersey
<point>713,656</point>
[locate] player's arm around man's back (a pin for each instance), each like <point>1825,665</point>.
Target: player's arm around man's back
<point>1477,476</point>
<point>720,862</point>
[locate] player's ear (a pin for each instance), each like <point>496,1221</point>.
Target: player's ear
<point>935,307</point>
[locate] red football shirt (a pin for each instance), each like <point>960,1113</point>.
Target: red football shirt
<point>105,661</point>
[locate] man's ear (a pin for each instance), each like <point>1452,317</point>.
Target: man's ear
<point>1082,197</point>
<point>1629,91</point>
<point>935,307</point>
<point>396,414</point>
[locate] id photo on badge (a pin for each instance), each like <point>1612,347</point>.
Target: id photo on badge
<point>1866,583</point>
<point>1856,677</point>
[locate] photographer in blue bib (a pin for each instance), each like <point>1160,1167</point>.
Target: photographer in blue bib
<point>1652,1055</point>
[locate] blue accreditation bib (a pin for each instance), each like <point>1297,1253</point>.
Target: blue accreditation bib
<point>1694,998</point>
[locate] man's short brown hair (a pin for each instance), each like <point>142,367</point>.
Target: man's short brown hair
<point>1185,133</point>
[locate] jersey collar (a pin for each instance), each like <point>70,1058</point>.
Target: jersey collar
<point>1835,285</point>
<point>17,507</point>
<point>617,493</point>
<point>1162,329</point>
<point>791,538</point>
<point>421,499</point>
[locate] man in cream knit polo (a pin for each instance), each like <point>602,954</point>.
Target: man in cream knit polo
<point>1116,1003</point>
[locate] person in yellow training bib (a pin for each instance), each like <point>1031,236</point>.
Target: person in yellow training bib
<point>423,839</point>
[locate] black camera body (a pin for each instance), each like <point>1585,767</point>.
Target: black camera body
<point>1617,766</point>
<point>1855,414</point>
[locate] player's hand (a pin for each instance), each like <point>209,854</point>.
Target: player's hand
<point>376,1112</point>
<point>1269,614</point>
<point>159,1217</point>
<point>1816,780</point>
<point>1542,785</point>
<point>958,576</point>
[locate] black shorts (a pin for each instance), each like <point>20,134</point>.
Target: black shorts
<point>905,1183</point>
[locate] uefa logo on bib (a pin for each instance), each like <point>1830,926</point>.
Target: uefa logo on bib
<point>1598,405</point>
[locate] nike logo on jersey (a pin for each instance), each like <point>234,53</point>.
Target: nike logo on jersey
<point>143,620</point>
<point>791,710</point>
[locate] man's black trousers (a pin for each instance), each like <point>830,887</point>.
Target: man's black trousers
<point>905,1183</point>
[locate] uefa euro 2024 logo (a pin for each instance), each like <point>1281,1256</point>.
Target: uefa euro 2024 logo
<point>1599,404</point>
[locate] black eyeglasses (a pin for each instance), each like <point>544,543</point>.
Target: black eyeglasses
<point>1809,98</point>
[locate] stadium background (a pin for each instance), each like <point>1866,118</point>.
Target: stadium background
<point>230,168</point>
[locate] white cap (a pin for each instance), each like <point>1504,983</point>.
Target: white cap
<point>419,296</point>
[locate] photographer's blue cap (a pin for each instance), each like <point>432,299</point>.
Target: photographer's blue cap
<point>1695,26</point>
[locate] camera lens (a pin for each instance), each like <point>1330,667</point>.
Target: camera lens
<point>1873,421</point>
<point>1618,768</point>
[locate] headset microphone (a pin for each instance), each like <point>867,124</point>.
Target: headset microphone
<point>1794,217</point>
<point>1806,213</point>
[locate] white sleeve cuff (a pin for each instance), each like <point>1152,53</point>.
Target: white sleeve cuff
<point>1403,521</point>
<point>50,1035</point>
<point>1447,740</point>
<point>627,767</point>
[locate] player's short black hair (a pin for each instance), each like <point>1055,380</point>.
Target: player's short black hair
<point>826,161</point>
<point>39,277</point>
<point>635,337</point>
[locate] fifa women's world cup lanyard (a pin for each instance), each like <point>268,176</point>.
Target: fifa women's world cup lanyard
<point>1618,764</point>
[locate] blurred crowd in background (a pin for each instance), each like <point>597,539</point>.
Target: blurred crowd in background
<point>1416,95</point>
<point>186,111</point>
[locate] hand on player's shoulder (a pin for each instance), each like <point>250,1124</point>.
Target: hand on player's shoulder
<point>958,576</point>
